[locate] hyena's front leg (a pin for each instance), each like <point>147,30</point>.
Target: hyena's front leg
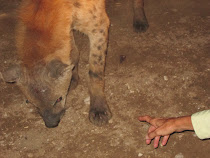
<point>75,60</point>
<point>99,113</point>
<point>140,23</point>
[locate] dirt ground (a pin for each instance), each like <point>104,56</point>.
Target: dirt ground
<point>165,73</point>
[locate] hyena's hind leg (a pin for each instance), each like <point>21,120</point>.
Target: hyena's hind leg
<point>140,22</point>
<point>75,60</point>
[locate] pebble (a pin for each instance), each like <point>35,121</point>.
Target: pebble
<point>183,20</point>
<point>87,101</point>
<point>180,155</point>
<point>5,115</point>
<point>85,113</point>
<point>31,110</point>
<point>3,15</point>
<point>174,10</point>
<point>30,155</point>
<point>131,91</point>
<point>140,155</point>
<point>2,143</point>
<point>111,121</point>
<point>165,78</point>
<point>128,86</point>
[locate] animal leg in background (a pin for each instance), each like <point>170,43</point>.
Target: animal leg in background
<point>140,22</point>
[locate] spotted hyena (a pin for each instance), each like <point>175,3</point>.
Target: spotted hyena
<point>49,57</point>
<point>140,23</point>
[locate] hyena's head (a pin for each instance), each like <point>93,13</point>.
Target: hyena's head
<point>45,86</point>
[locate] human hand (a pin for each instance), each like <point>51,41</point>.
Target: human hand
<point>164,127</point>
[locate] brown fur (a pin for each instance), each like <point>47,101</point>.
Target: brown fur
<point>46,48</point>
<point>46,25</point>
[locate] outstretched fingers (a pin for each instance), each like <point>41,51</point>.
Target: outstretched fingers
<point>153,121</point>
<point>156,136</point>
<point>145,118</point>
<point>156,141</point>
<point>148,139</point>
<point>159,127</point>
<point>165,139</point>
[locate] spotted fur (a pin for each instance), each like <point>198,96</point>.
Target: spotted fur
<point>49,56</point>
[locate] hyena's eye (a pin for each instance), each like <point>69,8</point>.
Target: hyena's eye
<point>58,100</point>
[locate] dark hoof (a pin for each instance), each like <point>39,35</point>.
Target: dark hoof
<point>140,26</point>
<point>99,117</point>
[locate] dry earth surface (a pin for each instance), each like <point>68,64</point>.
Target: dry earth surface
<point>165,73</point>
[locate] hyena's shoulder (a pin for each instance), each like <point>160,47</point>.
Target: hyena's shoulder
<point>44,15</point>
<point>44,26</point>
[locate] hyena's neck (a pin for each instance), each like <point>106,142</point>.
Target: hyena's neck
<point>47,25</point>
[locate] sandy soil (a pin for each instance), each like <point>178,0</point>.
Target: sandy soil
<point>165,73</point>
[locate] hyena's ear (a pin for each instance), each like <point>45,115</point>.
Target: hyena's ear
<point>12,74</point>
<point>57,69</point>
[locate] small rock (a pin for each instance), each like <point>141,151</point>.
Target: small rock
<point>85,113</point>
<point>183,20</point>
<point>174,10</point>
<point>111,121</point>
<point>140,155</point>
<point>87,101</point>
<point>165,78</point>
<point>180,155</point>
<point>2,143</point>
<point>5,115</point>
<point>3,15</point>
<point>31,110</point>
<point>180,112</point>
<point>30,155</point>
<point>131,91</point>
<point>128,86</point>
<point>122,58</point>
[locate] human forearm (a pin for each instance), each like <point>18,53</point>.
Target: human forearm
<point>183,123</point>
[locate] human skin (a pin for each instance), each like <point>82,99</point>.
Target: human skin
<point>163,127</point>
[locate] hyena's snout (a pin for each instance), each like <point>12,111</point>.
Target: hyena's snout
<point>52,119</point>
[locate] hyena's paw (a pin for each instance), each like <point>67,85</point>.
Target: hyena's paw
<point>99,117</point>
<point>99,114</point>
<point>140,25</point>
